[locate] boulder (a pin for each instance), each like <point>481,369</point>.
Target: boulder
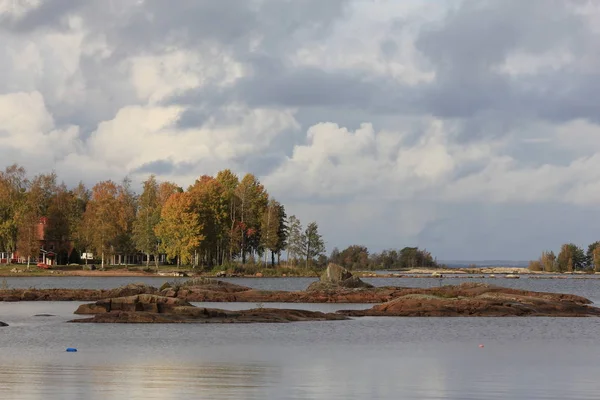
<point>140,302</point>
<point>3,324</point>
<point>131,290</point>
<point>336,277</point>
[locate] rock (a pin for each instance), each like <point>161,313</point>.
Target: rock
<point>140,302</point>
<point>158,309</point>
<point>259,275</point>
<point>336,277</point>
<point>3,324</point>
<point>131,290</point>
<point>221,274</point>
<point>480,300</point>
<point>44,315</point>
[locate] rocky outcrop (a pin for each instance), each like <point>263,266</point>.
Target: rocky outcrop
<point>3,324</point>
<point>336,277</point>
<point>159,309</point>
<point>480,300</point>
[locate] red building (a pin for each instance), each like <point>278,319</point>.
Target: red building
<point>52,250</point>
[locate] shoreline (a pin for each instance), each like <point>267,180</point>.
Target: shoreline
<point>458,273</point>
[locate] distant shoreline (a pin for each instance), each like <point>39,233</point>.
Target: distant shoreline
<point>489,272</point>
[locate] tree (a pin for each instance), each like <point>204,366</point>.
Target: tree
<point>571,258</point>
<point>13,185</point>
<point>589,256</point>
<point>353,257</point>
<point>295,245</point>
<point>596,259</point>
<point>253,201</point>
<point>535,265</point>
<point>282,233</point>
<point>548,261</point>
<point>209,203</point>
<point>127,203</point>
<point>230,181</point>
<point>314,244</point>
<point>27,218</point>
<point>179,229</point>
<point>413,257</point>
<point>270,229</point>
<point>146,220</point>
<point>101,222</point>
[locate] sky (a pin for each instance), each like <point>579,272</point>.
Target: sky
<point>470,128</point>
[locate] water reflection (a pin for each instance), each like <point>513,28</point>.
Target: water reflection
<point>432,371</point>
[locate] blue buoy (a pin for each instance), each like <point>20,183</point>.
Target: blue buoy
<point>71,350</point>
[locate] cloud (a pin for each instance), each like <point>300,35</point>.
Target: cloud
<point>390,123</point>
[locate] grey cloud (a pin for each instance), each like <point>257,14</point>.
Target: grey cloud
<point>49,14</point>
<point>466,46</point>
<point>158,167</point>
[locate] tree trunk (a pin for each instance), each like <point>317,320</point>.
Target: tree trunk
<point>272,259</point>
<point>102,260</point>
<point>28,260</point>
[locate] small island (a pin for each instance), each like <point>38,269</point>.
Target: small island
<point>145,308</point>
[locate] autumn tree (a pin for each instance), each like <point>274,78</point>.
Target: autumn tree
<point>34,204</point>
<point>146,220</point>
<point>179,229</point>
<point>209,203</point>
<point>535,265</point>
<point>313,242</point>
<point>548,261</point>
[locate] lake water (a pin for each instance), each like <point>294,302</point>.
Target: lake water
<point>364,358</point>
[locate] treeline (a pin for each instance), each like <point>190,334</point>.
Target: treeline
<point>357,257</point>
<point>570,258</point>
<point>217,220</point>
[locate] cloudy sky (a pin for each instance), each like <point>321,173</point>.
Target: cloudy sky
<point>470,128</point>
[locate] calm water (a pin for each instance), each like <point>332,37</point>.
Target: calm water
<point>364,358</point>
<point>368,358</point>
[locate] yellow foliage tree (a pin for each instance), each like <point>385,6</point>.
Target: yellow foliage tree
<point>179,229</point>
